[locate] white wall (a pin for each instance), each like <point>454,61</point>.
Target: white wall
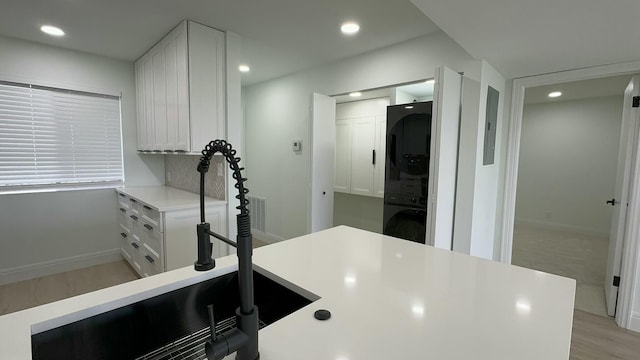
<point>568,159</point>
<point>477,185</point>
<point>277,112</point>
<point>44,229</point>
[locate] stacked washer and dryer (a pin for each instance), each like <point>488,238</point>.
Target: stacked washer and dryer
<point>407,170</point>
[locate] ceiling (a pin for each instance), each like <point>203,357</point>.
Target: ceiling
<point>420,90</point>
<point>279,36</point>
<point>524,37</point>
<point>575,90</point>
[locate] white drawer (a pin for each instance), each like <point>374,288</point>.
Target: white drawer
<point>135,249</point>
<point>152,261</point>
<point>152,217</point>
<point>134,207</point>
<point>125,248</point>
<point>153,239</point>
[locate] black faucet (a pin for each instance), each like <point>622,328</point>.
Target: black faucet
<point>243,338</point>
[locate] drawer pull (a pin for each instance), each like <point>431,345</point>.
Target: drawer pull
<point>123,209</point>
<point>134,217</point>
<point>148,226</point>
<point>135,245</point>
<point>123,235</point>
<point>133,200</point>
<point>147,207</point>
<point>149,259</point>
<point>122,195</point>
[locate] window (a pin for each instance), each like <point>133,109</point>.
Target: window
<point>53,138</point>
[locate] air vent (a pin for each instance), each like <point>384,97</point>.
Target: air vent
<point>257,211</point>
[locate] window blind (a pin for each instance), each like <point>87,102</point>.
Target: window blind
<point>51,136</point>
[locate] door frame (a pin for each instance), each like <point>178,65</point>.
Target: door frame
<point>631,243</point>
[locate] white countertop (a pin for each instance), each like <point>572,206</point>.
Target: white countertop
<point>390,299</point>
<point>166,198</point>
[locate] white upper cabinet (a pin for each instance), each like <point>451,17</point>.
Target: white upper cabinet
<point>180,89</point>
<point>361,128</point>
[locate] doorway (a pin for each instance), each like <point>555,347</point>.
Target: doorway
<point>622,265</point>
<point>568,161</point>
<point>361,124</point>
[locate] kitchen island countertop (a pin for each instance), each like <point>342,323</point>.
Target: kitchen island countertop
<point>389,299</point>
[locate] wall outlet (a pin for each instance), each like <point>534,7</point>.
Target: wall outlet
<point>297,145</point>
<point>220,169</point>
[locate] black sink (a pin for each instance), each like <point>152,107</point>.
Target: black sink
<point>153,325</point>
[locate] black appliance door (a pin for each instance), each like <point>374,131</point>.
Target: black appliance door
<point>408,224</point>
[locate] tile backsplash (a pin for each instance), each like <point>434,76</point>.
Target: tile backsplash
<point>180,172</point>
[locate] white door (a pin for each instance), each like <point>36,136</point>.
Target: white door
<point>628,138</point>
<point>445,127</point>
<point>343,156</point>
<point>362,162</point>
<point>380,156</point>
<point>323,143</point>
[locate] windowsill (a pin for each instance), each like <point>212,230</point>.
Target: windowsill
<point>60,188</point>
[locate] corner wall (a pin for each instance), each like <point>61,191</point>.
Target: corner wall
<point>44,233</point>
<point>278,112</point>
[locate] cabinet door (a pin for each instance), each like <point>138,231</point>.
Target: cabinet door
<point>140,103</point>
<point>363,140</point>
<point>343,156</point>
<point>147,70</point>
<point>380,158</point>
<point>180,235</point>
<point>171,92</point>
<point>206,85</point>
<point>182,128</point>
<point>159,98</point>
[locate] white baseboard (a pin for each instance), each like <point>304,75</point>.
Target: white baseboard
<point>563,227</point>
<point>27,272</point>
<point>634,324</point>
<point>270,238</point>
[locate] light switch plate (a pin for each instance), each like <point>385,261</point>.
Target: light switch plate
<point>297,145</point>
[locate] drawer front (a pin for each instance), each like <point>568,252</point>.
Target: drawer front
<point>134,207</point>
<point>152,262</point>
<point>135,250</point>
<point>154,242</point>
<point>125,248</point>
<point>152,217</point>
<point>124,221</point>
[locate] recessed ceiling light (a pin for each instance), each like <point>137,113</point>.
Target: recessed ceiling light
<point>430,81</point>
<point>555,94</point>
<point>52,30</point>
<point>244,68</point>
<point>355,94</point>
<point>350,28</point>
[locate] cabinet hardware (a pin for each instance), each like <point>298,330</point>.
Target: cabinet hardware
<point>123,235</point>
<point>133,200</point>
<point>147,207</point>
<point>373,160</point>
<point>149,259</point>
<point>134,217</point>
<point>148,226</point>
<point>122,195</point>
<point>123,210</point>
<point>135,245</point>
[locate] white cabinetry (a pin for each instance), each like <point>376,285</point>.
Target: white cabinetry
<point>154,241</point>
<point>360,147</point>
<point>180,88</point>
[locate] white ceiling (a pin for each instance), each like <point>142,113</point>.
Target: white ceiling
<point>279,36</point>
<point>524,37</point>
<point>586,89</point>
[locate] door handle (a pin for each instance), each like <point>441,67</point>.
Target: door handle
<point>373,159</point>
<point>612,202</point>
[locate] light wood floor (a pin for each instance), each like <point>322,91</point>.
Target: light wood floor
<point>580,257</point>
<point>594,337</point>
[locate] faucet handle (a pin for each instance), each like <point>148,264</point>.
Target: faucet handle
<point>212,322</point>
